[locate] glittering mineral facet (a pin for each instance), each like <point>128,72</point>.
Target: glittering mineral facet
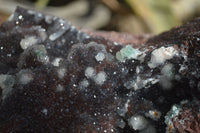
<point>57,78</point>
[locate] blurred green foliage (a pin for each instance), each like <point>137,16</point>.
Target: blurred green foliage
<point>41,3</point>
<point>156,14</point>
<point>133,16</point>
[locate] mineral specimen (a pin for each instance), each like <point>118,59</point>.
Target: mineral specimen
<point>55,77</point>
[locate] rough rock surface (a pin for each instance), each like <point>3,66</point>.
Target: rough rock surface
<point>187,118</point>
<point>57,78</point>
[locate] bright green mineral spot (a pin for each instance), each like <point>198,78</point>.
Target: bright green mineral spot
<point>128,52</point>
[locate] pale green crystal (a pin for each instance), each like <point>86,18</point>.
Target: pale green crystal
<point>41,53</point>
<point>128,52</point>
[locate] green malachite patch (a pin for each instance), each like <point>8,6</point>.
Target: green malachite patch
<point>41,53</point>
<point>128,52</point>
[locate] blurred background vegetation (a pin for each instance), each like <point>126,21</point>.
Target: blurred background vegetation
<point>132,16</point>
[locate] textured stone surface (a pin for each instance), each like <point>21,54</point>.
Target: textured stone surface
<point>184,117</point>
<point>57,78</point>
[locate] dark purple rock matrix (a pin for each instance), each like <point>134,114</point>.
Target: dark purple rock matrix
<point>55,78</point>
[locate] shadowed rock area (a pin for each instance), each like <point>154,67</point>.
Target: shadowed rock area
<point>57,78</point>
